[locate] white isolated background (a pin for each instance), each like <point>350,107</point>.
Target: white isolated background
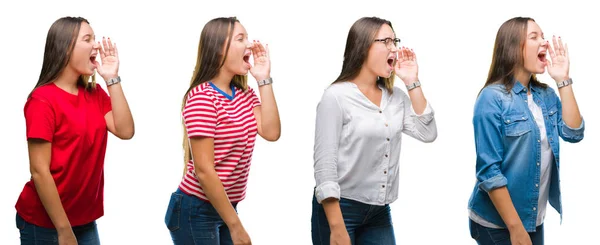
<point>158,44</point>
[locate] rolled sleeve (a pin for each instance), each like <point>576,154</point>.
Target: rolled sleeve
<point>421,127</point>
<point>572,135</point>
<point>487,124</point>
<point>328,128</point>
<point>327,189</point>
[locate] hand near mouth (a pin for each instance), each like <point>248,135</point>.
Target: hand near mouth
<point>558,69</point>
<point>406,67</point>
<point>262,64</point>
<point>109,56</point>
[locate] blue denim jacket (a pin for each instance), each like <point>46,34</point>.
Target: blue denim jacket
<point>507,142</point>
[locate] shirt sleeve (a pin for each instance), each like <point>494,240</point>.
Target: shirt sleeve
<point>328,129</point>
<point>39,119</point>
<point>254,97</point>
<point>568,134</point>
<point>104,100</point>
<point>421,127</point>
<point>200,116</point>
<point>489,147</point>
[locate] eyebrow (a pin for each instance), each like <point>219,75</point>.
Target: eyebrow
<point>86,35</point>
<point>535,32</point>
<point>241,33</point>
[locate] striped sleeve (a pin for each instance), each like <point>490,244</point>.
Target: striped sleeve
<point>200,116</point>
<point>253,97</point>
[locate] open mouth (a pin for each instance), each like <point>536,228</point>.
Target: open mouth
<point>93,59</point>
<point>542,56</point>
<point>390,62</point>
<point>246,58</point>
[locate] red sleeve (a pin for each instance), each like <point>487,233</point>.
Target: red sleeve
<point>105,103</point>
<point>39,119</point>
<point>253,98</point>
<point>200,116</point>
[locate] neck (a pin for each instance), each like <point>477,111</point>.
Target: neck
<point>365,80</point>
<point>223,81</point>
<point>523,77</point>
<point>67,80</point>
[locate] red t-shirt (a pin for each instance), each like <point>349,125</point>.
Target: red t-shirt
<point>76,127</point>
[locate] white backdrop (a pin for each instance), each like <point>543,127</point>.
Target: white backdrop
<point>158,46</point>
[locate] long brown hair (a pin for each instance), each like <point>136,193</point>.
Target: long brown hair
<point>508,53</point>
<point>60,43</point>
<point>360,38</point>
<point>215,40</point>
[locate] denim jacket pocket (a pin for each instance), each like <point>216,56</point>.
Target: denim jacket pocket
<point>552,115</point>
<point>516,125</point>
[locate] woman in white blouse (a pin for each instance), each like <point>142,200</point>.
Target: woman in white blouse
<point>359,125</point>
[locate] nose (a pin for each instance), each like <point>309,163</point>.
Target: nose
<point>249,44</point>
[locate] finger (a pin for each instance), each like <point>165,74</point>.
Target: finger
<point>555,45</point>
<point>105,45</point>
<point>405,53</point>
<point>560,44</point>
<point>101,51</point>
<point>566,51</point>
<point>254,50</point>
<point>267,51</point>
<point>551,51</point>
<point>110,47</point>
<point>413,55</point>
<point>116,50</point>
<point>261,48</point>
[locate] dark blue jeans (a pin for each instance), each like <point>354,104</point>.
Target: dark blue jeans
<point>491,236</point>
<point>194,221</point>
<point>366,224</point>
<point>34,235</point>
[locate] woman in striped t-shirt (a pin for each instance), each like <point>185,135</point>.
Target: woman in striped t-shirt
<point>222,117</point>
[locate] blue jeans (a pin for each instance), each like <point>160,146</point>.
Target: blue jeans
<point>34,235</point>
<point>491,236</point>
<point>194,221</point>
<point>366,224</point>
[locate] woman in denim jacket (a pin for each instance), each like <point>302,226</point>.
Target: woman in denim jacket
<point>517,122</point>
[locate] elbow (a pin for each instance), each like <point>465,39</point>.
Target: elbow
<point>431,138</point>
<point>272,136</point>
<point>39,173</point>
<point>126,135</point>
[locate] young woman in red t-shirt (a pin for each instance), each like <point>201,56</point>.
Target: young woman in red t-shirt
<point>67,120</point>
<point>222,118</point>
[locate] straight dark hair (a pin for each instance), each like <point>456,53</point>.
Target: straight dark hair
<point>215,40</point>
<point>60,43</point>
<point>508,54</point>
<point>360,38</point>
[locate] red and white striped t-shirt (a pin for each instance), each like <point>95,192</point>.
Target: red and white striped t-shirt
<point>231,123</point>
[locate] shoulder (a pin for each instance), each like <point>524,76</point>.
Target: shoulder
<point>45,92</point>
<point>336,90</point>
<point>201,92</point>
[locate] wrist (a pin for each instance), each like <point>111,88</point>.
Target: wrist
<point>63,229</point>
<point>233,223</point>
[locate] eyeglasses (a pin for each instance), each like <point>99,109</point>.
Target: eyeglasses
<point>389,42</point>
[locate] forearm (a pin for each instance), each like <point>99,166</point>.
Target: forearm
<point>215,192</point>
<point>270,122</point>
<point>333,212</point>
<point>570,110</point>
<point>121,113</point>
<point>504,205</point>
<point>417,99</point>
<point>48,193</point>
